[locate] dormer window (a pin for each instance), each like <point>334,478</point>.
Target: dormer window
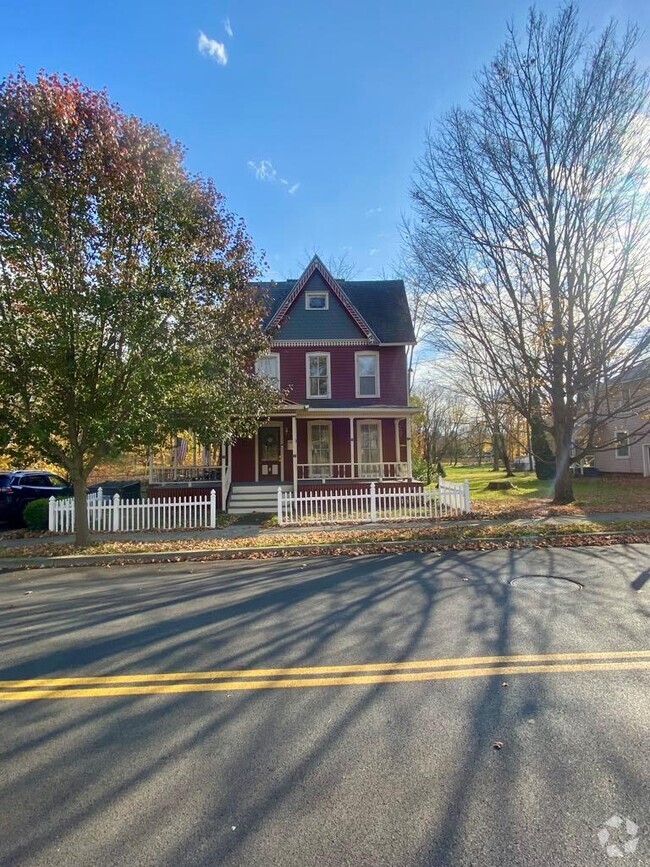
<point>317,300</point>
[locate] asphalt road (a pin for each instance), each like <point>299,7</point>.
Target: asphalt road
<point>339,711</point>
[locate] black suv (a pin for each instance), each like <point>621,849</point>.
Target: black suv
<point>19,487</point>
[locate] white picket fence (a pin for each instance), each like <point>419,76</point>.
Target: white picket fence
<point>117,515</point>
<point>370,504</point>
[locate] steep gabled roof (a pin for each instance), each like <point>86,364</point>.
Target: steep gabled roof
<point>299,285</point>
<point>379,307</point>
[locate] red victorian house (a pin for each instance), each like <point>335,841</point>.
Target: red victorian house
<point>339,351</point>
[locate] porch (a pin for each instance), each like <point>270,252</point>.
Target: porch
<point>326,449</point>
<point>300,450</point>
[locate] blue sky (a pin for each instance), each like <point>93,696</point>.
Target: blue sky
<point>312,124</point>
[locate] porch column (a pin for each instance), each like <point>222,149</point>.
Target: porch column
<point>408,447</point>
<point>224,460</point>
<point>351,448</point>
<point>294,454</point>
<point>398,450</point>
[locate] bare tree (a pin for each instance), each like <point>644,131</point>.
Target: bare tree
<point>341,267</point>
<point>533,225</point>
<point>439,427</point>
<point>416,282</point>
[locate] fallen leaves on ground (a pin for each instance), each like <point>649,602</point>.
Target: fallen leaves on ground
<point>365,540</point>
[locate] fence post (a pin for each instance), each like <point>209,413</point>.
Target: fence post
<point>373,503</point>
<point>116,513</point>
<point>280,516</point>
<point>213,508</point>
<point>466,492</point>
<point>50,515</point>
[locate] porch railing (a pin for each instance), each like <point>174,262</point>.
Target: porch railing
<point>193,473</point>
<point>357,470</point>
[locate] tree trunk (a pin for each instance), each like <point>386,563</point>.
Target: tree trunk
<point>495,453</point>
<point>81,533</point>
<point>563,491</point>
<point>505,456</point>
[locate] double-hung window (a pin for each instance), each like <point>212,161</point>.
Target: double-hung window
<point>622,444</point>
<point>268,367</point>
<point>318,375</point>
<point>369,448</point>
<point>320,449</point>
<point>367,374</point>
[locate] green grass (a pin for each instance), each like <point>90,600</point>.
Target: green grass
<point>607,493</point>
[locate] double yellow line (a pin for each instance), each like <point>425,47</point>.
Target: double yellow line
<point>97,686</point>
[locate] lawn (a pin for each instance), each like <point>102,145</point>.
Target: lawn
<point>615,493</point>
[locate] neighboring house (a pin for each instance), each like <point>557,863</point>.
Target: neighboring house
<point>339,351</point>
<point>631,454</point>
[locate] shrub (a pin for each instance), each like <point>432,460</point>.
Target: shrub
<point>35,514</point>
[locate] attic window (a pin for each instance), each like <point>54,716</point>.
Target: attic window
<point>317,301</point>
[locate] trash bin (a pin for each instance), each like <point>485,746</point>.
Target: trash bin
<point>128,490</point>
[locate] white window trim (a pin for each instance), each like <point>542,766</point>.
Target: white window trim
<point>616,454</point>
<point>359,462</point>
<point>310,425</point>
<point>272,355</point>
<point>315,293</point>
<point>357,383</point>
<point>327,396</point>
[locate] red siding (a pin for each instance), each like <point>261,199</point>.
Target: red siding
<point>178,492</point>
<point>392,373</point>
<point>243,461</point>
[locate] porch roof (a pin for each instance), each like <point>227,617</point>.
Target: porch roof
<point>340,409</point>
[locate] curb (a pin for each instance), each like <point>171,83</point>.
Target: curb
<point>347,548</point>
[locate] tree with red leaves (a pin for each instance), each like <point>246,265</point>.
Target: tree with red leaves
<point>126,307</point>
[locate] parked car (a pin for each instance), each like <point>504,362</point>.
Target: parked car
<point>19,487</point>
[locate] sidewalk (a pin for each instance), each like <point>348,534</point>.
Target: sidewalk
<point>252,531</point>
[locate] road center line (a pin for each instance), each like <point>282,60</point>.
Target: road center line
<point>29,692</point>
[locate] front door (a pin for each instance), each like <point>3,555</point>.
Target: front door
<point>269,445</point>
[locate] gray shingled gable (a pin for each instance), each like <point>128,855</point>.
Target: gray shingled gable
<point>382,303</point>
<point>335,323</point>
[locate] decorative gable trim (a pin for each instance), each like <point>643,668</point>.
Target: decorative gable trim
<point>316,264</point>
<point>329,342</point>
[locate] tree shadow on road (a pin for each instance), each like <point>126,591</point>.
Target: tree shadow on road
<point>219,778</point>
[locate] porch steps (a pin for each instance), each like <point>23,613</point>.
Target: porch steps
<point>254,498</point>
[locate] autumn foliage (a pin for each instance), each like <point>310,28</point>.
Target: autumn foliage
<point>126,311</point>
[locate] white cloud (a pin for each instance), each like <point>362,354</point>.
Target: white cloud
<point>264,171</point>
<point>372,211</point>
<point>227,27</point>
<point>212,48</point>
<point>373,252</point>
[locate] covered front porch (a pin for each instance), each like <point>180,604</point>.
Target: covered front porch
<point>311,446</point>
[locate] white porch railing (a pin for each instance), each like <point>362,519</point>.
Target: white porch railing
<point>376,470</point>
<point>193,473</point>
<point>370,504</point>
<point>114,515</point>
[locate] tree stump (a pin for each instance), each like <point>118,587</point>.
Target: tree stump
<point>504,485</point>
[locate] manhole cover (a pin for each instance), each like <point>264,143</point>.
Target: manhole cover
<point>545,584</point>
